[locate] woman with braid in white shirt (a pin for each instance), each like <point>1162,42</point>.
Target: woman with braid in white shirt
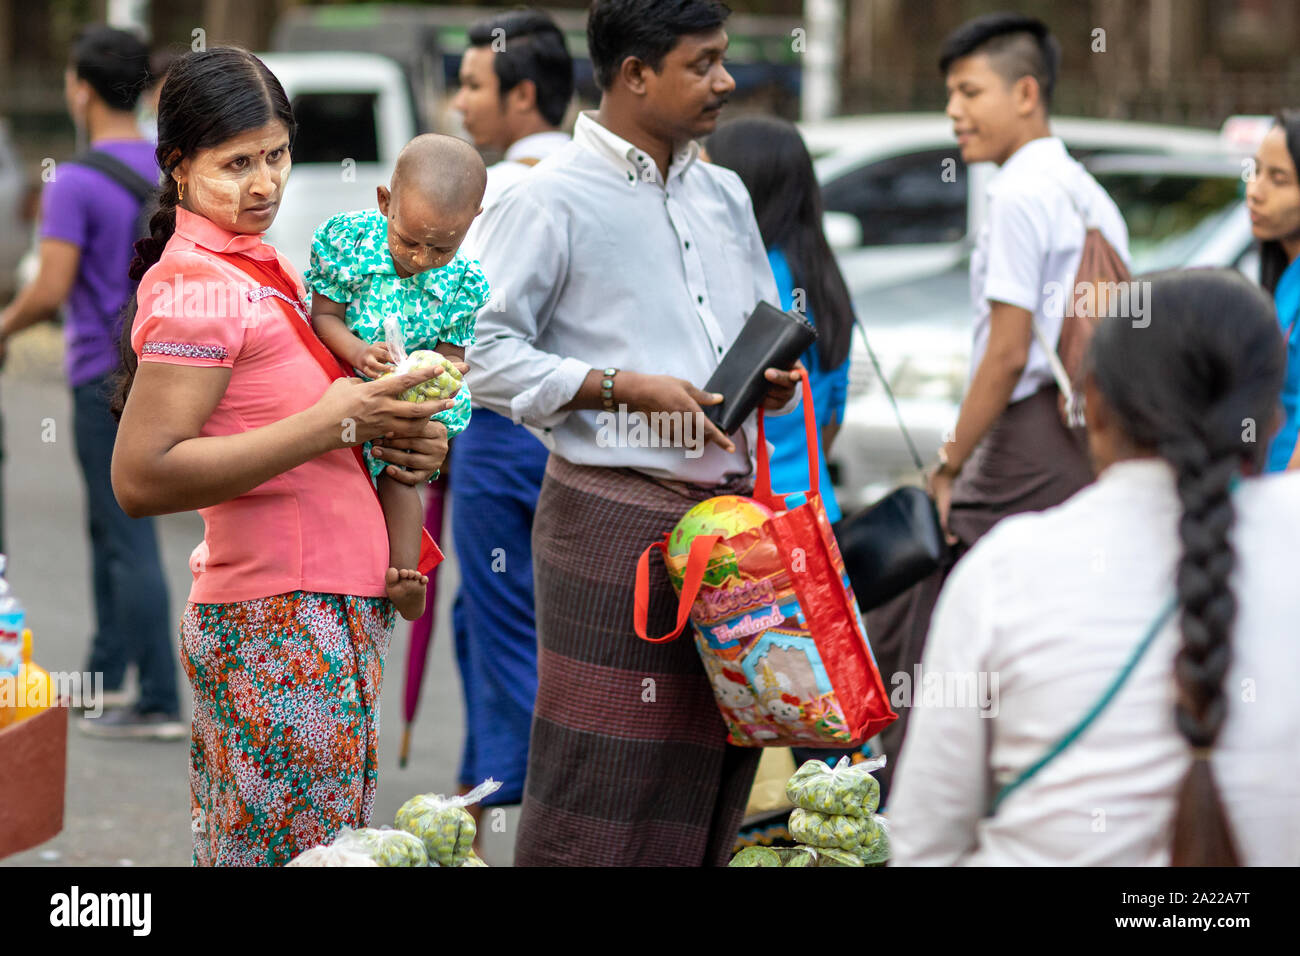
<point>1193,759</point>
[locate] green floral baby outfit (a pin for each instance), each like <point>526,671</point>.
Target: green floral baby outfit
<point>350,264</point>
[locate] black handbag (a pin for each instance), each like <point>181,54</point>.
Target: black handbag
<point>898,541</point>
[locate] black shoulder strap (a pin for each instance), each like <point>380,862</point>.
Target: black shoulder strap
<point>118,171</point>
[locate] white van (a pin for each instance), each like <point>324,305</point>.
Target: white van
<point>354,113</point>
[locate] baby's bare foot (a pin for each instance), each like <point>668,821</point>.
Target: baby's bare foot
<point>407,590</point>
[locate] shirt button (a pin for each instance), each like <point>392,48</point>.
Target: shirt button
<point>688,243</point>
<point>699,299</point>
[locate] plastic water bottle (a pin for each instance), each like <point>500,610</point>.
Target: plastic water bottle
<point>12,619</point>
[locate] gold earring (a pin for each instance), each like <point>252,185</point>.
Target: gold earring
<point>180,190</point>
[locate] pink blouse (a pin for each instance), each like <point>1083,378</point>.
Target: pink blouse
<point>317,527</point>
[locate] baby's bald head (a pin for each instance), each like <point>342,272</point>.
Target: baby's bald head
<point>437,190</point>
<point>442,173</point>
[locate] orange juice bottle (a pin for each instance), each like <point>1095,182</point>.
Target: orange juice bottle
<point>36,687</point>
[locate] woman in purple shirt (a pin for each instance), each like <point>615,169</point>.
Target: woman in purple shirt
<point>87,230</point>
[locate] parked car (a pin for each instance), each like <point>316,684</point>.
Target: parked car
<point>901,203</point>
<point>1180,210</point>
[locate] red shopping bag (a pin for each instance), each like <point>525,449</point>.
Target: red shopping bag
<point>776,623</point>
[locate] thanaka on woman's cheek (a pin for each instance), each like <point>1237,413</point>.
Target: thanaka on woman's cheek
<point>218,199</point>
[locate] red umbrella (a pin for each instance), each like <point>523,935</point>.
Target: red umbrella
<point>417,652</point>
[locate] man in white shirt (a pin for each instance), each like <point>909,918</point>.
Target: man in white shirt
<point>516,80</point>
<point>623,270</point>
<point>1009,452</point>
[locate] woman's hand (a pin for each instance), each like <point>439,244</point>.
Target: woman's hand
<point>418,458</point>
<point>356,411</point>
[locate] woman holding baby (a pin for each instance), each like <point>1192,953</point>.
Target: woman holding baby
<point>245,418</point>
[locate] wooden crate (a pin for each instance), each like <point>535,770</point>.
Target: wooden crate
<point>33,774</point>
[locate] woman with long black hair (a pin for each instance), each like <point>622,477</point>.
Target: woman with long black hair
<point>1273,199</point>
<point>1158,601</point>
<point>230,406</point>
<point>771,159</point>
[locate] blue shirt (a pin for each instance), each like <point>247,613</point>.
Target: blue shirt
<point>1287,298</point>
<point>786,432</point>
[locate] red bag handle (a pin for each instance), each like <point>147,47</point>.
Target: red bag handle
<point>430,555</point>
<point>763,479</point>
<point>696,564</point>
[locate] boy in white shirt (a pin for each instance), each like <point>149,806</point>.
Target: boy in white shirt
<point>1009,452</point>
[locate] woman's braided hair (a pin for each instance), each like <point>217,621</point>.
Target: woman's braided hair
<point>1198,384</point>
<point>207,98</point>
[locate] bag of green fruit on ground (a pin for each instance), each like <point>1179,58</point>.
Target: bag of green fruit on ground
<point>775,856</point>
<point>834,831</point>
<point>384,845</point>
<point>444,825</point>
<point>876,851</point>
<point>331,856</point>
<point>847,788</point>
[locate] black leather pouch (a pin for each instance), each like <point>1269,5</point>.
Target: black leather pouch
<point>770,339</point>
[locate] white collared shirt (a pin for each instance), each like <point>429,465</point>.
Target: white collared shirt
<point>596,261</point>
<point>1027,251</point>
<point>1053,604</point>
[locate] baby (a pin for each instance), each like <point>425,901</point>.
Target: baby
<point>402,260</point>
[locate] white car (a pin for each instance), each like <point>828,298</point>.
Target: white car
<point>901,203</point>
<point>354,113</point>
<point>1180,210</point>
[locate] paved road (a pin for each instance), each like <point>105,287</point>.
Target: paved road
<point>128,802</point>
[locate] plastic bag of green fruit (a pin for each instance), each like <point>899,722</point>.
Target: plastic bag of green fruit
<point>384,845</point>
<point>445,384</point>
<point>775,856</point>
<point>444,825</point>
<point>331,856</point>
<point>836,831</point>
<point>847,789</point>
<point>875,851</point>
<point>829,856</point>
